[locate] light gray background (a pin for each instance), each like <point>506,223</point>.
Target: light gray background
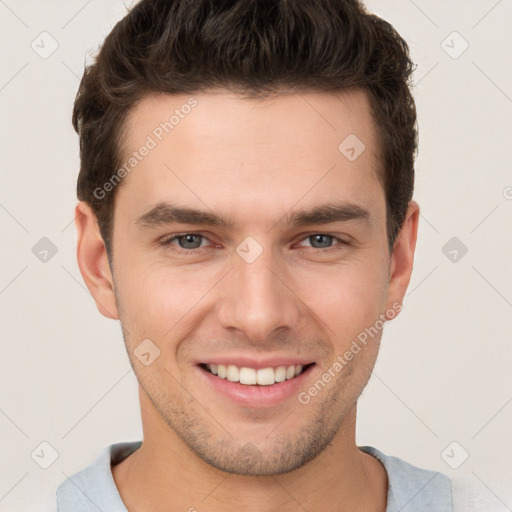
<point>443,374</point>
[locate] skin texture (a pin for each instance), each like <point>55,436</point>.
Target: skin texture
<point>254,161</point>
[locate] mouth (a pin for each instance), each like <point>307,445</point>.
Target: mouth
<point>253,382</point>
<point>248,376</point>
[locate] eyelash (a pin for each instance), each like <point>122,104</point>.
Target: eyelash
<point>341,243</point>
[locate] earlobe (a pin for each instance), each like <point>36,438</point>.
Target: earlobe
<point>93,262</point>
<point>402,257</point>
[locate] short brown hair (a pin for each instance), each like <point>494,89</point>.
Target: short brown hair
<point>255,47</point>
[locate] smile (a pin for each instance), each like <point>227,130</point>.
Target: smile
<point>251,376</point>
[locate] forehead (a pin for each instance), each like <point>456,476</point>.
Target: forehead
<point>225,151</point>
<point>326,116</point>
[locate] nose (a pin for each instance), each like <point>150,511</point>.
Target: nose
<point>258,298</point>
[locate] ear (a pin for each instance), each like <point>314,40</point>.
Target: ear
<point>93,262</point>
<point>402,257</point>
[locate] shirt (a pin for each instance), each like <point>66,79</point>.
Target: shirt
<point>410,488</point>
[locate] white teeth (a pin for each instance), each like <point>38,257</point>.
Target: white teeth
<point>280,374</point>
<point>232,373</point>
<point>266,377</point>
<point>250,376</point>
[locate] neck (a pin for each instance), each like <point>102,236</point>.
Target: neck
<point>163,472</point>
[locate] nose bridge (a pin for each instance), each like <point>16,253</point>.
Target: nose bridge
<point>255,298</point>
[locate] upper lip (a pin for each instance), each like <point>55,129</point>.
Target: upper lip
<point>256,363</point>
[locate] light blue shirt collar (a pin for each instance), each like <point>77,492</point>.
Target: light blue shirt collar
<point>410,489</point>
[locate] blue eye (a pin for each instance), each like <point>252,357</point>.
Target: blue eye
<point>325,243</point>
<point>186,241</point>
<point>322,239</point>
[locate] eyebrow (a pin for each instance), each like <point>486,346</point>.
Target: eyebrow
<point>165,213</point>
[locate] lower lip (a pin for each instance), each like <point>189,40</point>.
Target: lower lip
<point>257,396</point>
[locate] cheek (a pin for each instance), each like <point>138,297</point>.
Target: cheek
<point>347,298</point>
<point>159,300</point>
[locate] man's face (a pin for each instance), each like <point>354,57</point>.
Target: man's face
<point>264,292</point>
